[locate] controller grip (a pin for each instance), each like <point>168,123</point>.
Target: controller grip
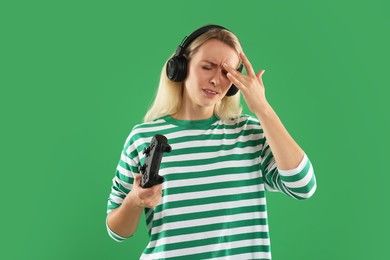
<point>153,156</point>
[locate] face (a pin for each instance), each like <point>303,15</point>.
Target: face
<point>206,82</point>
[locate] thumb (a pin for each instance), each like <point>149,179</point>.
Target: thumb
<point>137,179</point>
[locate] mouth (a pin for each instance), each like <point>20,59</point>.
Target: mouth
<point>210,92</point>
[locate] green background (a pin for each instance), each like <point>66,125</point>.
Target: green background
<point>77,75</point>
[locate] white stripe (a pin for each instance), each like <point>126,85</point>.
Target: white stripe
<point>211,193</point>
<point>141,129</point>
<point>207,167</point>
<point>128,160</point>
<point>116,199</point>
<point>208,207</point>
<point>254,255</point>
<point>213,179</point>
<point>296,170</point>
<point>271,165</point>
<point>202,143</point>
<point>112,234</point>
<point>269,188</point>
<point>209,132</point>
<point>140,126</point>
<point>302,182</point>
<point>309,194</point>
<point>211,155</point>
<point>157,121</point>
<point>286,190</point>
<point>137,143</point>
<point>240,119</point>
<point>124,184</point>
<point>150,224</point>
<point>151,129</point>
<point>207,221</point>
<point>209,234</point>
<point>124,171</point>
<point>208,248</point>
<point>147,215</point>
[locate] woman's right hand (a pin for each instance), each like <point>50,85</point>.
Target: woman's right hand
<point>144,198</point>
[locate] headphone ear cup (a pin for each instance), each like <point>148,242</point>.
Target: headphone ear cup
<point>177,69</point>
<point>232,91</point>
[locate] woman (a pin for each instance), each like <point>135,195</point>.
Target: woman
<point>212,203</point>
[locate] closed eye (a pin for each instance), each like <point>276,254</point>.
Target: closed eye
<point>206,68</point>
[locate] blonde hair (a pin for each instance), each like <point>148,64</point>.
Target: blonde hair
<point>168,99</point>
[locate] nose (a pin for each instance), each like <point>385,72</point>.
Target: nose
<point>216,78</point>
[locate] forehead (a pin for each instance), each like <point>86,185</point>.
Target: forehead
<point>217,52</point>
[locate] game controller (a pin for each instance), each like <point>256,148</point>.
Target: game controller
<point>153,156</point>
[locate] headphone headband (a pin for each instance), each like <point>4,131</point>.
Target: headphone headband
<point>188,39</point>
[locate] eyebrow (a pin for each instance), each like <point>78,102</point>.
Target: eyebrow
<point>210,62</point>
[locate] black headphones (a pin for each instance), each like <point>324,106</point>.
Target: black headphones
<point>177,66</point>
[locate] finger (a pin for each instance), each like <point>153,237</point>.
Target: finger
<point>235,81</point>
<point>237,74</point>
<point>230,69</point>
<point>154,203</point>
<point>157,201</point>
<point>247,64</point>
<point>157,189</point>
<point>259,76</point>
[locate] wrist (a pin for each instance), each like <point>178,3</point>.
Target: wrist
<point>263,111</point>
<point>132,200</point>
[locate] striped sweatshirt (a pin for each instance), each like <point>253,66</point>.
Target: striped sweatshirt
<point>213,204</point>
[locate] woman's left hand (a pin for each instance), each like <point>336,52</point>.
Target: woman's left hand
<point>251,85</point>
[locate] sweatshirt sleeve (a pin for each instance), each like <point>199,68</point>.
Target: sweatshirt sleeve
<point>299,183</point>
<point>114,235</point>
<point>122,183</point>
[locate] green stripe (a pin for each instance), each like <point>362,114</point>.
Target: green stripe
<point>127,166</point>
<point>113,206</point>
<point>216,172</point>
<point>217,148</point>
<point>123,177</point>
<point>120,187</point>
<point>283,188</point>
<point>270,177</point>
<point>194,162</point>
<point>147,125</point>
<point>213,126</point>
<point>299,175</point>
<point>306,188</point>
<point>209,227</point>
<point>213,186</point>
<point>117,195</point>
<point>206,241</point>
<point>209,200</point>
<point>229,252</point>
<point>267,160</point>
<point>150,218</point>
<point>209,214</point>
<point>209,137</point>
